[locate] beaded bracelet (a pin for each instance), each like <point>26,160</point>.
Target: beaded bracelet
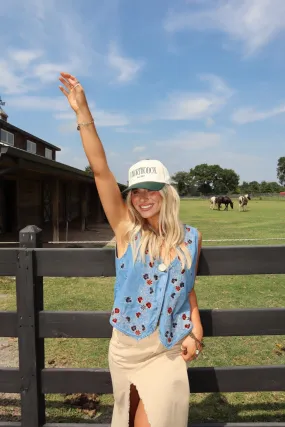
<point>84,124</point>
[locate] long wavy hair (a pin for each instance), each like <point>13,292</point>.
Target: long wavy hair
<point>170,234</point>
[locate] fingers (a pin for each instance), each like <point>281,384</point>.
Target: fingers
<point>63,91</point>
<point>66,83</point>
<point>72,80</point>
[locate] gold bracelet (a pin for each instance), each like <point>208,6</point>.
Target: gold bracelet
<point>84,124</point>
<point>196,339</point>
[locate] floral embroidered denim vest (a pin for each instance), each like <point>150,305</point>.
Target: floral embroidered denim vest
<point>147,298</point>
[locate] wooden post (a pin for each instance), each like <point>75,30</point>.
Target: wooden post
<point>2,207</point>
<point>31,348</point>
<point>55,211</point>
<point>84,196</point>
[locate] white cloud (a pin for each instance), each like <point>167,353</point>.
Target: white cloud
<point>192,141</point>
<point>254,23</point>
<point>106,119</point>
<point>131,130</point>
<point>139,149</point>
<point>209,122</point>
<point>249,114</point>
<point>23,57</point>
<point>192,105</point>
<point>127,68</point>
<point>39,103</point>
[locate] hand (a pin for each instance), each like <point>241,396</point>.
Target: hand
<point>189,347</point>
<point>74,92</point>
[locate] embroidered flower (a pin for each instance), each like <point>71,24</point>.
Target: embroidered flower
<point>177,288</point>
<point>155,277</point>
<point>149,282</point>
<point>133,328</point>
<point>187,326</point>
<point>183,271</point>
<point>188,228</point>
<point>145,276</point>
<point>151,290</point>
<point>138,314</point>
<point>173,295</point>
<point>151,264</point>
<point>114,320</point>
<point>169,310</point>
<point>173,280</point>
<point>128,319</point>
<point>128,299</point>
<point>184,317</point>
<point>148,304</point>
<point>117,310</point>
<point>169,339</point>
<point>140,299</point>
<point>174,325</point>
<point>137,332</point>
<point>143,327</point>
<point>189,241</point>
<point>181,285</point>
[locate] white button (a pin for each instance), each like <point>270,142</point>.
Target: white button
<point>162,267</point>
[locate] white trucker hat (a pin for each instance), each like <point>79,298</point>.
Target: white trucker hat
<point>148,174</point>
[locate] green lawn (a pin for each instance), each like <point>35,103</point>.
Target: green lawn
<point>263,219</point>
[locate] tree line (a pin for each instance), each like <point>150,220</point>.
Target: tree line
<point>207,179</point>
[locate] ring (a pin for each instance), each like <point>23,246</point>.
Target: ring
<point>77,84</point>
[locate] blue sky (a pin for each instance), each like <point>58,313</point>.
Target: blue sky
<point>186,82</point>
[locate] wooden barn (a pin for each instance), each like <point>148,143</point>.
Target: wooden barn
<point>36,189</point>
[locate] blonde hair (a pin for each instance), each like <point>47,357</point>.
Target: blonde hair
<point>170,233</point>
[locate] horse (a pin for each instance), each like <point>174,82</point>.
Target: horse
<point>242,201</point>
<point>212,202</point>
<point>225,200</point>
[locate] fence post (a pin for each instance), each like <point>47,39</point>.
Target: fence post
<point>31,348</point>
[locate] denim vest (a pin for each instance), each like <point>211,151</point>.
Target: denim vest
<point>147,298</point>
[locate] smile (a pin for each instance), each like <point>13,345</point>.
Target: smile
<point>145,207</point>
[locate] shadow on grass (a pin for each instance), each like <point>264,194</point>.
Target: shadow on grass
<point>214,407</point>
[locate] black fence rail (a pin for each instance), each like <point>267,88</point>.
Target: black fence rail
<point>32,324</point>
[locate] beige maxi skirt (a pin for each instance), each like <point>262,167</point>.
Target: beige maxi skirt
<point>159,375</point>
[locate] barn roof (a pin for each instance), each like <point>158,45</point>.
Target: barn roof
<point>8,126</point>
<point>25,160</point>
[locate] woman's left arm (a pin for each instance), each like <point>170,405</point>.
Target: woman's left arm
<point>195,315</point>
<point>189,345</point>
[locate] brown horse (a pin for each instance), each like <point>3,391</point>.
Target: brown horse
<point>224,200</point>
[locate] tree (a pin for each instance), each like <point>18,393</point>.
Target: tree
<point>184,182</point>
<point>281,170</point>
<point>89,170</point>
<point>212,179</point>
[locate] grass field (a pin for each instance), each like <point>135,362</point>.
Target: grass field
<point>262,220</point>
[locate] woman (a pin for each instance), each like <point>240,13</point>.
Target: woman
<point>155,317</point>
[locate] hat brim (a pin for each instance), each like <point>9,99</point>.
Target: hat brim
<point>152,186</point>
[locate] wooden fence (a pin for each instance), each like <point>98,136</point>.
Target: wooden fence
<point>32,324</point>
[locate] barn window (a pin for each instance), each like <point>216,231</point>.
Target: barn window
<point>48,153</point>
<point>31,147</point>
<point>7,137</point>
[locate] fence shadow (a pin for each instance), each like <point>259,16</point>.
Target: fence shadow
<point>208,410</point>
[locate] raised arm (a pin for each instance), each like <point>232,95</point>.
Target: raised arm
<point>108,189</point>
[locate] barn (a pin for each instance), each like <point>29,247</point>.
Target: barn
<point>36,189</point>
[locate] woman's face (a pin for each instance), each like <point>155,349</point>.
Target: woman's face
<point>147,203</point>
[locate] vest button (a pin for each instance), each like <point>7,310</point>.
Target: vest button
<point>162,267</point>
